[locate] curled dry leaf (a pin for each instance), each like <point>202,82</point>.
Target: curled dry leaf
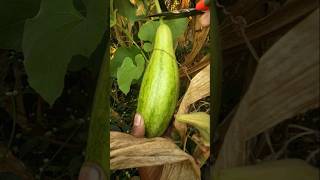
<point>292,11</point>
<point>131,152</point>
<point>199,88</point>
<point>293,169</point>
<point>285,84</point>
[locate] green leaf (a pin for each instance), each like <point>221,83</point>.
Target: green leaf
<point>128,72</point>
<point>56,34</point>
<point>147,47</point>
<point>126,9</point>
<point>119,56</point>
<point>199,120</point>
<point>148,30</point>
<point>13,14</point>
<point>178,27</point>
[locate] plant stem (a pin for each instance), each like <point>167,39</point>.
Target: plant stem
<point>131,39</point>
<point>98,138</point>
<point>216,70</point>
<point>159,10</point>
<point>158,6</point>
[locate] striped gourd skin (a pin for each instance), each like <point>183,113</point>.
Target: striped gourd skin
<point>160,85</point>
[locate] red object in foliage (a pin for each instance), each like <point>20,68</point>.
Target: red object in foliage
<point>202,5</point>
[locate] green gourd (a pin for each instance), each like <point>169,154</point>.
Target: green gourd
<point>160,85</point>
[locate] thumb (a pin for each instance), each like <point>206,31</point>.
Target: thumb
<point>138,126</point>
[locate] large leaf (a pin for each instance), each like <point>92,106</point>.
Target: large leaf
<point>148,30</point>
<point>120,54</point>
<point>56,34</point>
<point>13,14</point>
<point>286,83</point>
<point>126,9</point>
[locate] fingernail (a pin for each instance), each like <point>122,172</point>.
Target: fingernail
<point>137,120</point>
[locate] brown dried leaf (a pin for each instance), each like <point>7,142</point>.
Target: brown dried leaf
<point>201,152</point>
<point>182,170</point>
<point>131,152</point>
<point>286,83</point>
<point>293,169</point>
<point>275,21</point>
<point>185,4</point>
<point>199,88</point>
<point>200,37</point>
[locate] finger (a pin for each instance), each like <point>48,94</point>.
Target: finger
<point>138,126</point>
<point>205,19</point>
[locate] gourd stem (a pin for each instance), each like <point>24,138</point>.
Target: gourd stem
<point>159,10</point>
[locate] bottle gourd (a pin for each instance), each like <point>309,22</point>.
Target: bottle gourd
<point>160,85</point>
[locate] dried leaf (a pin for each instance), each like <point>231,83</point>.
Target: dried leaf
<point>131,152</point>
<point>182,170</point>
<point>185,4</point>
<point>200,37</point>
<point>293,169</point>
<point>286,83</point>
<point>201,152</point>
<point>199,88</point>
<point>194,68</point>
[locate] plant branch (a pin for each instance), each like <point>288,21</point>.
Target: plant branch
<point>158,6</point>
<point>216,70</point>
<point>159,10</point>
<point>98,138</point>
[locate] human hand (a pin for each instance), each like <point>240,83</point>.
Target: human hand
<point>205,19</point>
<point>91,171</point>
<point>138,130</point>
